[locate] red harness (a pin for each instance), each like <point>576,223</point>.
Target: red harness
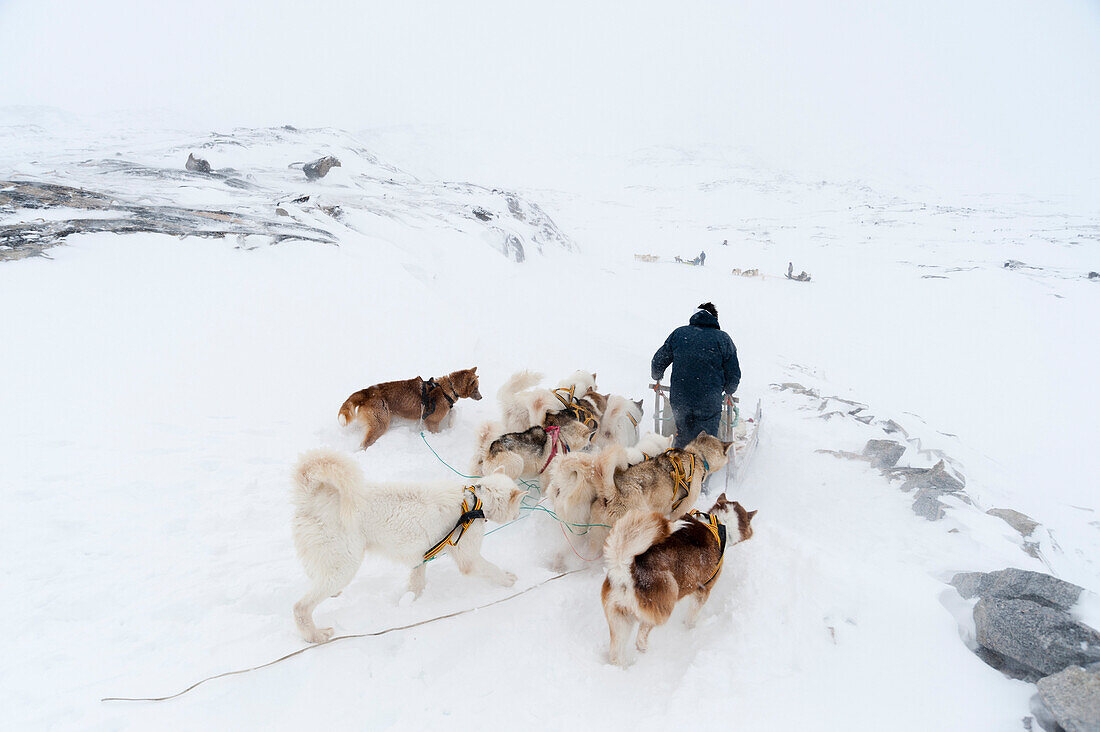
<point>554,439</point>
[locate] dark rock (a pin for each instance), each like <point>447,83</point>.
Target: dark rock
<point>196,165</point>
<point>320,167</point>
<point>883,453</point>
<point>1013,264</point>
<point>482,214</point>
<point>937,477</point>
<point>1072,697</point>
<point>1022,523</point>
<point>1094,275</point>
<point>1038,638</point>
<point>927,504</point>
<point>1018,584</point>
<point>968,583</point>
<point>1007,666</point>
<point>281,212</point>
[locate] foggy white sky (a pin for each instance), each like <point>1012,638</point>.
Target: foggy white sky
<point>991,90</point>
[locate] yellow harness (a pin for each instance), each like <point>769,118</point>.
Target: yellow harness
<point>680,477</point>
<point>471,511</point>
<point>718,529</point>
<point>582,412</point>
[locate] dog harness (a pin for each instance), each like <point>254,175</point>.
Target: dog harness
<point>427,405</point>
<point>471,511</point>
<point>681,478</point>
<point>579,411</point>
<point>555,439</point>
<point>718,529</point>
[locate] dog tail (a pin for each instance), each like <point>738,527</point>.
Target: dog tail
<point>328,479</point>
<point>487,433</point>
<point>506,394</point>
<point>347,413</point>
<point>542,404</point>
<point>631,535</point>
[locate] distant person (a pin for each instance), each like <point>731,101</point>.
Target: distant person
<point>704,365</point>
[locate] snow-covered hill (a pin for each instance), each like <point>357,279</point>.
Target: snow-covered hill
<point>157,390</point>
<point>138,182</point>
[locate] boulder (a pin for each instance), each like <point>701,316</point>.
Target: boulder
<point>1072,698</point>
<point>1042,639</point>
<point>196,165</point>
<point>883,453</point>
<point>320,167</point>
<point>1021,522</point>
<point>927,504</point>
<point>1019,584</point>
<point>937,477</point>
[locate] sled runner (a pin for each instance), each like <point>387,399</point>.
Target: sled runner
<point>741,431</point>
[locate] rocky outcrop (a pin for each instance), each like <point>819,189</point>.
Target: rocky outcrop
<point>1021,522</point>
<point>320,167</point>
<point>1069,700</point>
<point>196,165</point>
<point>883,453</point>
<point>1018,584</point>
<point>1023,623</point>
<point>1039,639</point>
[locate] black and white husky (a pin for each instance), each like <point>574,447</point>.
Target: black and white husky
<point>526,454</point>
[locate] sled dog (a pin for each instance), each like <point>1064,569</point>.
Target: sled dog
<point>522,406</point>
<point>526,454</point>
<point>588,408</point>
<point>338,516</point>
<point>600,490</point>
<point>619,423</point>
<point>430,400</point>
<point>653,563</point>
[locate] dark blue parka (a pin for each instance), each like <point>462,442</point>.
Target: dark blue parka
<point>704,364</point>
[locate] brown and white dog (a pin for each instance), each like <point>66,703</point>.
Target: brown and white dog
<point>599,488</point>
<point>521,406</point>
<point>526,454</point>
<point>653,563</point>
<point>414,399</point>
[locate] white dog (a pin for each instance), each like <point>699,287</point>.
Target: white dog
<point>339,516</point>
<point>651,444</point>
<point>619,425</point>
<point>522,409</point>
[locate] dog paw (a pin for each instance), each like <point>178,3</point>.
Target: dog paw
<point>320,635</point>
<point>507,579</point>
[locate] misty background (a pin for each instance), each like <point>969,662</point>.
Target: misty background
<point>980,96</point>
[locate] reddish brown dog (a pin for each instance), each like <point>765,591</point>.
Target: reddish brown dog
<point>653,563</point>
<point>416,399</point>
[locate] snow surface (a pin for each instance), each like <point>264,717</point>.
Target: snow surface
<point>157,391</point>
